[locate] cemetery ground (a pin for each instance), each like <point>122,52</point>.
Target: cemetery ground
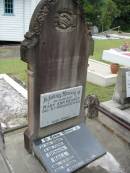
<point>112,143</point>
<point>11,64</point>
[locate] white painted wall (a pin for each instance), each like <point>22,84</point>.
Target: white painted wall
<point>26,15</point>
<point>34,4</point>
<point>13,28</point>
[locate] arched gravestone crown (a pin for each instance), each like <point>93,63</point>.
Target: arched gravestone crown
<point>56,50</point>
<point>64,20</point>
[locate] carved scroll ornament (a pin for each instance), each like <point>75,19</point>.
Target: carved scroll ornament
<point>31,37</point>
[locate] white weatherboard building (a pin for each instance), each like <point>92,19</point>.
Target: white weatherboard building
<point>15,17</point>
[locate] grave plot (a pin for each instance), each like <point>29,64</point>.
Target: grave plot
<point>56,49</point>
<point>13,103</point>
<point>119,107</point>
<point>117,56</point>
<point>100,74</point>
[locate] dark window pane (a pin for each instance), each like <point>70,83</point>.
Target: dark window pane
<point>9,6</point>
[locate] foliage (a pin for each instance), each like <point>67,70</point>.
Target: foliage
<point>109,13</point>
<point>101,12</point>
<point>103,93</point>
<point>92,10</point>
<point>124,19</point>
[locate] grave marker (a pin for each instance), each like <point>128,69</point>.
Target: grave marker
<point>121,93</point>
<point>56,49</point>
<point>128,84</point>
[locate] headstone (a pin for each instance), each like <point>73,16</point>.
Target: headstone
<point>95,30</point>
<point>56,49</point>
<point>128,84</point>
<point>122,89</point>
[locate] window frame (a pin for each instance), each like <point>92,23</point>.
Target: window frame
<point>9,14</point>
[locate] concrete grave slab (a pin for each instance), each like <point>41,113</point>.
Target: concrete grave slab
<point>99,73</point>
<point>114,108</point>
<point>117,56</point>
<point>13,102</point>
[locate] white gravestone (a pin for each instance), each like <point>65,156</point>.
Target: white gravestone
<point>60,105</point>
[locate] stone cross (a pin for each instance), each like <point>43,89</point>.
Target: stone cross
<point>56,51</point>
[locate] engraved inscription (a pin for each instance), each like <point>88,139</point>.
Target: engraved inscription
<point>58,152</point>
<point>60,105</point>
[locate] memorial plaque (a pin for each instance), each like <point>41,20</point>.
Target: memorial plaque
<point>60,105</point>
<point>128,84</point>
<point>68,150</point>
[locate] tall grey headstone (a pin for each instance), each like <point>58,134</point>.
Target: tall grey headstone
<point>56,50</point>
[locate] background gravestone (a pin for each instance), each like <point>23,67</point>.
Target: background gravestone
<point>120,93</point>
<point>56,50</point>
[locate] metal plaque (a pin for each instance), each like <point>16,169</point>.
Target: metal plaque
<point>68,150</point>
<point>60,105</point>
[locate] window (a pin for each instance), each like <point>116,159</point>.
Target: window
<point>8,7</point>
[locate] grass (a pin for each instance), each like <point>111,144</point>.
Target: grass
<point>17,68</point>
<point>14,67</point>
<point>103,93</point>
<point>101,45</point>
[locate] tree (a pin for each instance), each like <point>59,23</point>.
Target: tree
<point>108,14</point>
<point>124,19</point>
<point>93,10</point>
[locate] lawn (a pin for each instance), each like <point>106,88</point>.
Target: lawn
<point>17,68</point>
<point>103,93</point>
<point>101,45</point>
<point>14,67</point>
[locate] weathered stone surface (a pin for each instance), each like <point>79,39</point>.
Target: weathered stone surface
<point>91,103</point>
<point>56,50</point>
<point>123,115</point>
<point>3,166</point>
<point>120,94</point>
<point>12,105</point>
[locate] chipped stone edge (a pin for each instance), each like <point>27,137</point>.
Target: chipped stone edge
<point>15,85</point>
